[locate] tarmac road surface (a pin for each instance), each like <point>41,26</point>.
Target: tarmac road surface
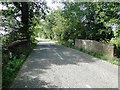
<point>54,66</point>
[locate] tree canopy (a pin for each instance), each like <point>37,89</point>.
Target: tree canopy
<point>84,20</point>
<point>20,18</point>
<point>98,21</point>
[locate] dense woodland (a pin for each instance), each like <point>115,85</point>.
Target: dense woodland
<point>83,20</point>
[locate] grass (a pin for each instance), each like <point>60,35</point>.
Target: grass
<point>100,55</point>
<point>10,71</point>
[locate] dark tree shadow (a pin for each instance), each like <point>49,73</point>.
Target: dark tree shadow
<point>42,57</point>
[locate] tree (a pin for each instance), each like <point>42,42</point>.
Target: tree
<point>28,14</point>
<point>91,20</point>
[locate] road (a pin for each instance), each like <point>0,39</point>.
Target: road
<point>54,66</point>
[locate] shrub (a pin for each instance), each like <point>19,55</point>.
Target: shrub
<point>10,70</point>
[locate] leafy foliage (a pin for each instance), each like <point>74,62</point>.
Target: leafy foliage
<point>83,20</point>
<point>18,21</point>
<point>10,70</point>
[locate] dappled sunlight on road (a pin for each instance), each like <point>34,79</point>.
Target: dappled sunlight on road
<point>54,66</point>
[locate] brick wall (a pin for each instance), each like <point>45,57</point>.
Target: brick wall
<point>95,46</point>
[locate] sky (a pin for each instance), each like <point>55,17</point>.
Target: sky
<point>2,7</point>
<point>50,3</point>
<point>53,5</point>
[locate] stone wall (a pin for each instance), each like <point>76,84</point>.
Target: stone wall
<point>95,46</point>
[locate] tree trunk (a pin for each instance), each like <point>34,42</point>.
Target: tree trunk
<point>25,19</point>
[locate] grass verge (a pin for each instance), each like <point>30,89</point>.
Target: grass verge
<point>10,71</point>
<point>100,55</point>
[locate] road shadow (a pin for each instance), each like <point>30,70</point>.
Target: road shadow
<point>42,57</point>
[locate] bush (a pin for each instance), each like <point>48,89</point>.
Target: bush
<point>10,70</point>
